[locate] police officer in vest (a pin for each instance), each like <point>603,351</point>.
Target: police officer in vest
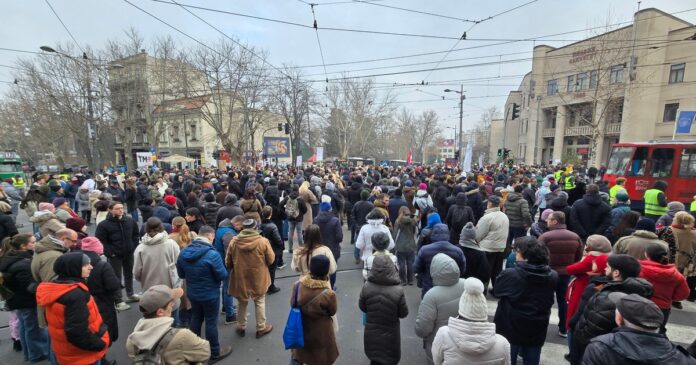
<point>655,200</point>
<point>19,184</point>
<point>692,207</point>
<point>569,181</point>
<point>620,184</point>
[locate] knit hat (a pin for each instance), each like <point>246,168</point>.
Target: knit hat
<point>599,243</point>
<point>646,224</point>
<point>92,244</point>
<point>325,207</point>
<point>546,213</point>
<point>319,266</point>
<point>75,224</point>
<point>674,207</point>
<point>170,199</point>
<point>622,196</point>
<point>472,303</point>
<point>47,206</point>
<point>59,201</point>
<point>330,186</point>
<point>468,232</point>
<point>495,200</point>
<point>249,224</point>
<point>380,241</point>
<point>325,199</point>
<point>546,184</point>
<point>364,194</point>
<point>422,186</point>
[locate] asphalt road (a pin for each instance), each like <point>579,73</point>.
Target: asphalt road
<point>270,349</point>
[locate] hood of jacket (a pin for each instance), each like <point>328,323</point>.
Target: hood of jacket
<point>472,337</point>
<point>421,193</point>
<point>512,197</point>
<point>592,199</point>
<point>195,250</point>
<point>638,286</point>
<point>460,199</point>
<point>48,293</point>
<point>444,270</point>
<point>534,269</point>
<point>660,273</point>
<point>227,223</point>
<point>7,261</point>
<point>645,234</point>
<point>161,237</point>
<point>231,200</point>
<point>42,216</point>
<point>324,217</point>
<point>162,213</point>
<point>559,203</point>
<point>375,222</point>
<point>383,272</point>
<point>248,240</point>
<point>433,219</point>
<point>440,233</point>
<point>47,244</point>
<point>148,331</point>
<point>642,347</point>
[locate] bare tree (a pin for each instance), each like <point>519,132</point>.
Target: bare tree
<point>292,97</point>
<point>426,132</point>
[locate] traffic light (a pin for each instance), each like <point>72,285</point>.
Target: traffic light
<point>515,111</point>
<point>500,152</point>
<point>287,128</point>
<point>506,153</point>
<point>456,154</point>
<point>280,127</point>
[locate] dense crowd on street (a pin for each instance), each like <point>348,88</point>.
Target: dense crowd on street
<point>202,243</point>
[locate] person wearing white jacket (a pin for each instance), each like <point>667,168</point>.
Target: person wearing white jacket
<point>491,235</point>
<point>469,338</point>
<point>375,223</point>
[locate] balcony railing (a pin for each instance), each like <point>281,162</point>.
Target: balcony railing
<point>613,128</point>
<point>548,132</point>
<point>584,130</point>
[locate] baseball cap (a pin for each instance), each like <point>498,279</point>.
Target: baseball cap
<point>157,297</point>
<point>638,310</point>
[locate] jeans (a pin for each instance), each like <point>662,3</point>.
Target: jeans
<point>123,265</point>
<point>406,260</point>
<point>86,216</point>
<point>561,289</point>
<point>227,300</point>
<point>134,214</point>
<point>513,233</point>
<point>260,306</point>
<point>332,280</point>
<point>292,228</point>
<point>531,354</point>
<point>34,338</point>
<point>665,316</point>
<point>207,311</point>
<point>354,230</point>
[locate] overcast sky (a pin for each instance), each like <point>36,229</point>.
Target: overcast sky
<point>28,24</point>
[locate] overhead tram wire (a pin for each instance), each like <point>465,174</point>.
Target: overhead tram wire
<point>321,50</point>
<point>414,11</point>
<point>65,26</point>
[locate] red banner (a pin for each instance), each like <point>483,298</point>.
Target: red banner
<point>408,158</point>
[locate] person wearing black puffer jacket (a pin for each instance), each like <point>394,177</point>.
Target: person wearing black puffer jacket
<point>474,200</point>
<point>119,234</point>
<point>383,301</point>
<point>590,215</point>
<point>458,216</point>
<point>210,209</point>
<point>270,231</point>
<point>596,316</point>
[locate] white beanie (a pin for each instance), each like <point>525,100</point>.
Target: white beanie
<point>472,304</point>
<point>325,199</point>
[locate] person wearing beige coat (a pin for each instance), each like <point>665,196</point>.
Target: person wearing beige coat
<point>248,256</point>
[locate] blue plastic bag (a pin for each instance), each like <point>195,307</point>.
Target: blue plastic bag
<point>293,335</point>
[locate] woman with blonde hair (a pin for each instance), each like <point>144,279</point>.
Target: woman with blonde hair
<point>685,241</point>
<point>183,237</point>
<point>311,202</point>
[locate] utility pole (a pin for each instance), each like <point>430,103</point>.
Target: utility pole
<point>461,116</point>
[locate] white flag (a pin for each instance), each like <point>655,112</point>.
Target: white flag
<point>466,166</point>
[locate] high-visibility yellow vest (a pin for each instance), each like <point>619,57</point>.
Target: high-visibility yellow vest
<point>613,191</point>
<point>652,205</point>
<point>692,207</point>
<point>569,183</point>
<point>557,176</point>
<point>18,182</point>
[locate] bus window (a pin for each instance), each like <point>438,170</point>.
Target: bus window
<point>618,160</point>
<point>687,165</point>
<point>640,160</point>
<point>661,162</point>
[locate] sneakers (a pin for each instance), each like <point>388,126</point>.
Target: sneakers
<point>231,319</point>
<point>281,267</point>
<point>563,334</point>
<point>133,298</point>
<point>266,330</point>
<point>273,289</point>
<point>122,306</point>
<point>17,345</point>
<point>224,352</point>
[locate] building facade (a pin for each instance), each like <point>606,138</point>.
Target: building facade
<point>625,85</point>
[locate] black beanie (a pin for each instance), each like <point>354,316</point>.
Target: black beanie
<point>69,265</point>
<point>319,266</point>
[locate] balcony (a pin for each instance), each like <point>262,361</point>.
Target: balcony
<point>584,130</point>
<point>548,132</point>
<point>613,129</point>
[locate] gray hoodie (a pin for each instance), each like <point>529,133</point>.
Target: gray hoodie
<point>440,302</point>
<point>184,348</point>
<point>155,261</point>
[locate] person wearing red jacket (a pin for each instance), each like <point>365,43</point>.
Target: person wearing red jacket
<point>669,285</point>
<point>78,334</point>
<point>593,263</point>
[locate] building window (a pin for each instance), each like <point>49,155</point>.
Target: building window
<point>687,166</point>
<point>594,79</point>
<point>616,74</point>
<point>581,81</point>
<point>676,73</point>
<point>194,133</point>
<point>552,88</point>
<point>175,134</point>
<point>670,114</point>
<point>661,165</point>
<point>571,83</point>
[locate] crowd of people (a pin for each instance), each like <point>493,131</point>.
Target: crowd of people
<point>201,241</point>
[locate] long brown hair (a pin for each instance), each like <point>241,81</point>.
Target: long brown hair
<point>10,245</point>
<point>404,212</point>
<point>182,228</point>
<point>312,240</point>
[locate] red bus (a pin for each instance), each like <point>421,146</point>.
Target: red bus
<point>644,163</point>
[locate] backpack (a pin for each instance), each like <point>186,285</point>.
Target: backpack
<point>292,208</point>
<point>154,356</point>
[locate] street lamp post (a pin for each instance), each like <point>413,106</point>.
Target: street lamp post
<point>461,115</point>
